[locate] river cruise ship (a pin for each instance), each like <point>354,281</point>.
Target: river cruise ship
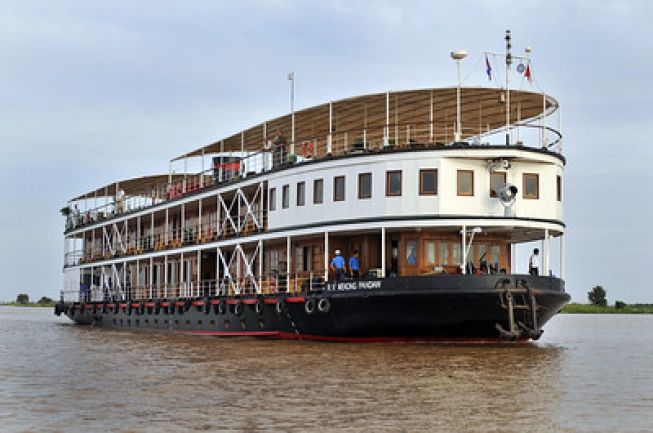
<point>423,194</point>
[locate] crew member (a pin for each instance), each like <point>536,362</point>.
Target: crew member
<point>532,263</point>
<point>338,266</point>
<point>354,265</point>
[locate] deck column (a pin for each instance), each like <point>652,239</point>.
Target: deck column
<point>288,256</point>
<point>545,253</point>
<point>151,276</point>
<point>463,265</point>
<point>326,257</point>
<point>330,134</point>
<point>513,258</point>
<point>383,252</point>
<point>386,128</point>
<point>562,256</point>
<point>165,276</point>
<point>199,273</point>
<point>181,273</point>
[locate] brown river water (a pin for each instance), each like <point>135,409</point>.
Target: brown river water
<point>589,373</point>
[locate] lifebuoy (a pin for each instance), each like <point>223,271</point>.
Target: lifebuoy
<point>309,306</point>
<point>324,305</point>
<point>238,309</point>
<point>281,306</point>
<point>258,307</point>
<point>307,148</point>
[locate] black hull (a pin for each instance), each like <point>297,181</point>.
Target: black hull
<point>449,307</point>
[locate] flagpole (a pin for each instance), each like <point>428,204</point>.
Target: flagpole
<point>508,63</point>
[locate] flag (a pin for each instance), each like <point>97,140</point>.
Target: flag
<point>527,72</point>
<point>488,68</point>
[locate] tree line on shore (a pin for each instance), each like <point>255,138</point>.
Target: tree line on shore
<point>22,299</point>
<point>598,303</point>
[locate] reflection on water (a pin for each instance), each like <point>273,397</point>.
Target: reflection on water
<point>589,373</point>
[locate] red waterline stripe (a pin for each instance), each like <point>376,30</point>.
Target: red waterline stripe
<point>165,304</point>
<point>232,301</point>
<point>123,306</point>
<point>136,305</point>
<point>249,301</point>
<point>149,305</point>
<point>214,301</point>
<point>294,299</point>
<point>180,303</point>
<point>234,333</point>
<point>387,339</point>
<point>198,303</point>
<point>270,300</point>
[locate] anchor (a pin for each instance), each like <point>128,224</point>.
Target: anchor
<point>518,329</point>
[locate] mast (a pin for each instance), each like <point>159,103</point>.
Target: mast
<point>508,63</point>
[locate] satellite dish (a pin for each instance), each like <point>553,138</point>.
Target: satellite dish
<point>507,194</point>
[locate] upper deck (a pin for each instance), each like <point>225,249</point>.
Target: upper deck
<point>368,125</point>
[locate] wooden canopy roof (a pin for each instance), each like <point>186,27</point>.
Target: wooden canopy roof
<point>135,186</point>
<point>482,109</point>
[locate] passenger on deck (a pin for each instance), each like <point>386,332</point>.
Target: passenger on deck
<point>354,265</point>
<point>338,266</point>
<point>533,267</point>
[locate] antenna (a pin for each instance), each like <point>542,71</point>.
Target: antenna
<point>508,39</point>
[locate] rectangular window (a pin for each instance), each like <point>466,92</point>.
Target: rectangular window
<point>365,185</point>
<point>285,196</point>
<point>273,199</point>
<point>430,252</point>
<point>318,191</point>
<point>301,193</point>
<point>428,182</point>
<point>444,253</point>
<point>411,253</point>
<point>393,183</point>
<point>559,187</point>
<point>497,179</point>
<point>531,185</point>
<point>339,188</point>
<point>465,182</point>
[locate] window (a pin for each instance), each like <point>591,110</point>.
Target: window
<point>428,182</point>
<point>531,185</point>
<point>444,253</point>
<point>465,182</point>
<point>339,188</point>
<point>429,248</point>
<point>365,185</point>
<point>393,183</point>
<point>273,199</point>
<point>318,191</point>
<point>285,196</point>
<point>497,179</point>
<point>301,193</point>
<point>411,253</point>
<point>559,187</point>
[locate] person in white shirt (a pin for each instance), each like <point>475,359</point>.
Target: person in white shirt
<point>533,266</point>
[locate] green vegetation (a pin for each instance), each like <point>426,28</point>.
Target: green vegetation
<point>599,305</point>
<point>619,308</point>
<point>598,296</point>
<point>22,300</point>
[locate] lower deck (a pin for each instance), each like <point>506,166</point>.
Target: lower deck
<point>427,307</point>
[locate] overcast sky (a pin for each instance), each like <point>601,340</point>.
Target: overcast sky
<point>95,91</point>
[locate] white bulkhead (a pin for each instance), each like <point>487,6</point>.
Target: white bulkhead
<point>411,204</point>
